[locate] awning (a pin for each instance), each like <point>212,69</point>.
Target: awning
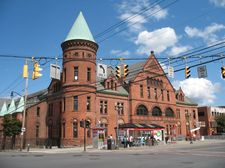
<point>132,126</point>
<point>195,129</point>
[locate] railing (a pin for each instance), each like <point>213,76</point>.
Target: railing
<point>214,137</point>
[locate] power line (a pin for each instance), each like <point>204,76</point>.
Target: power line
<point>158,75</point>
<point>113,27</point>
<point>106,38</point>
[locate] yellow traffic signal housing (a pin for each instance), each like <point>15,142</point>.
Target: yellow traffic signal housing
<point>187,72</point>
<point>125,71</point>
<point>36,71</point>
<point>118,71</point>
<point>25,71</point>
<point>223,72</point>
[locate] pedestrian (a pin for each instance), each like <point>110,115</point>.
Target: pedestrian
<point>152,140</point>
<point>131,140</point>
<point>166,139</point>
<point>124,141</point>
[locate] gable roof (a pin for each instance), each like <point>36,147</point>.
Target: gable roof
<point>12,107</point>
<point>187,101</point>
<point>121,91</point>
<point>3,109</point>
<point>134,69</point>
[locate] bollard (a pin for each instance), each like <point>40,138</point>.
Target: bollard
<point>28,147</point>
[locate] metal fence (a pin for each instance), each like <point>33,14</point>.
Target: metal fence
<point>214,137</point>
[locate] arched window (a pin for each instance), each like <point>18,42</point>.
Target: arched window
<point>142,110</point>
<point>169,112</point>
<point>156,111</point>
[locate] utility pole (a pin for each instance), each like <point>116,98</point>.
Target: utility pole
<point>84,135</point>
<point>25,75</point>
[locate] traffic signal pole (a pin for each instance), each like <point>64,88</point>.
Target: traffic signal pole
<point>24,111</point>
<point>84,135</point>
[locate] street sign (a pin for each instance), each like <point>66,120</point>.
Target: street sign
<point>170,72</point>
<point>102,70</point>
<point>202,71</point>
<point>23,129</point>
<point>55,71</point>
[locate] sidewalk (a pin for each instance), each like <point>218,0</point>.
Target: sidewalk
<point>160,147</point>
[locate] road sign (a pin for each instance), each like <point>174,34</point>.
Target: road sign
<point>102,70</point>
<point>202,71</point>
<point>55,71</point>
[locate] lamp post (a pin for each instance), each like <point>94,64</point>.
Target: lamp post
<point>118,107</point>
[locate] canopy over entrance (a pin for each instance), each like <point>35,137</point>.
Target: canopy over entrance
<point>132,126</point>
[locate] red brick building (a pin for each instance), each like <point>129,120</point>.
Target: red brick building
<point>145,97</point>
<point>206,115</point>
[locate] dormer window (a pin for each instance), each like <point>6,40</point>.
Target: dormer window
<point>110,84</point>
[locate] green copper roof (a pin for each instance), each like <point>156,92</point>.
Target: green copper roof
<point>20,106</point>
<point>12,107</point>
<point>3,110</point>
<point>80,30</point>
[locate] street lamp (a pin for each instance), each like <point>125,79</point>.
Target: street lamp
<point>12,94</point>
<point>118,107</point>
<point>23,115</point>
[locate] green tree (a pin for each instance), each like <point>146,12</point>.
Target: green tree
<point>11,128</point>
<point>220,121</point>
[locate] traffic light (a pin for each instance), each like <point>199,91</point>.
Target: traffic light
<point>125,70</point>
<point>87,124</point>
<point>82,123</point>
<point>36,71</point>
<point>223,72</point>
<point>187,72</point>
<point>118,71</point>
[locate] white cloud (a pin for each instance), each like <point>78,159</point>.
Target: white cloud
<point>120,53</point>
<point>158,40</point>
<point>135,11</point>
<point>208,34</point>
<point>178,49</point>
<point>201,90</point>
<point>218,3</point>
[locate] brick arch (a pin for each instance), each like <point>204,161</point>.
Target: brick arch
<point>121,121</point>
<point>141,110</point>
<point>169,112</point>
<point>156,111</point>
<point>104,120</point>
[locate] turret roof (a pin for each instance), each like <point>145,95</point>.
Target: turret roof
<point>80,30</point>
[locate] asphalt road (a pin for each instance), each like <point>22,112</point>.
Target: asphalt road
<point>187,156</point>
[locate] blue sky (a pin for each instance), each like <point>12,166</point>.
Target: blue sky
<point>170,28</point>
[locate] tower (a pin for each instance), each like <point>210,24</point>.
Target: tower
<point>78,81</point>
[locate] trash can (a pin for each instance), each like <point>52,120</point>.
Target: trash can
<point>109,144</point>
